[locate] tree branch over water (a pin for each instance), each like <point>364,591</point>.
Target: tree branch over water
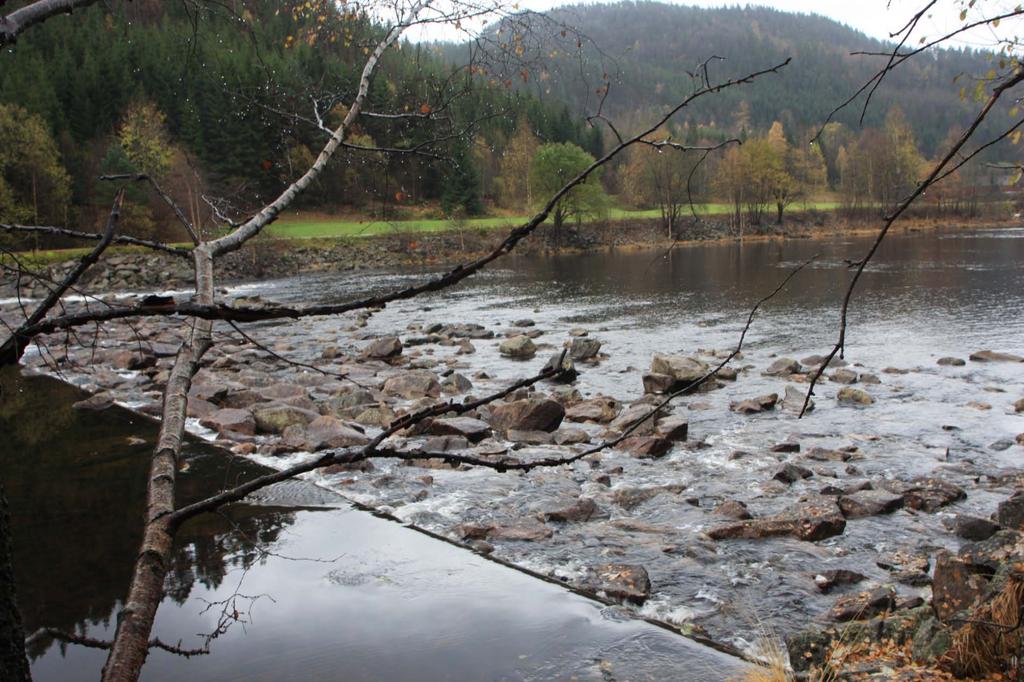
<point>936,174</point>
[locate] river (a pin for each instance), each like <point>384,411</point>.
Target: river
<point>926,296</point>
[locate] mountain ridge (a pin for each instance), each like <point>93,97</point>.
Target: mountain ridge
<point>647,48</point>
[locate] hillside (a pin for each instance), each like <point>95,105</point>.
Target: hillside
<point>648,50</point>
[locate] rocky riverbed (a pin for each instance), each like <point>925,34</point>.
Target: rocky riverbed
<point>724,514</point>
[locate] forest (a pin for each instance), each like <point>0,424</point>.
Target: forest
<point>209,110</point>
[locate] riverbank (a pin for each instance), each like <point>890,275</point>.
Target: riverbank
<point>272,258</point>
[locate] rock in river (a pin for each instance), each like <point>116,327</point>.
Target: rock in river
<point>414,384</point>
<point>530,414</point>
<point>864,605</point>
<point>520,347</point>
<point>472,429</point>
<point>646,447</point>
<point>755,405</point>
<point>384,348</point>
<point>627,582</point>
<point>330,432</point>
<point>684,370</point>
<point>813,519</point>
<point>276,418</point>
<point>854,396</point>
<point>790,473</point>
<point>869,503</point>
<point>584,348</point>
<point>995,356</point>
<point>794,400</point>
<point>826,580</point>
<point>926,493</point>
<point>783,367</point>
<point>600,409</point>
<point>230,419</point>
<point>100,401</point>
<point>844,376</point>
<point>582,510</point>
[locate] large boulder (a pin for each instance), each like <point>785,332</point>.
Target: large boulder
<point>584,348</point>
<point>626,582</point>
<point>646,447</point>
<point>230,419</point>
<point>384,348</point>
<point>684,370</point>
<point>600,409</point>
<point>520,347</point>
<point>330,432</point>
<point>472,429</point>
<point>413,384</point>
<point>957,585</point>
<point>281,391</point>
<point>995,356</point>
<point>853,396</point>
<point>277,418</point>
<point>926,493</point>
<point>636,413</point>
<point>755,405</point>
<point>794,400</point>
<point>347,400</point>
<point>783,367</point>
<point>380,416</point>
<point>1010,512</point>
<point>869,503</point>
<point>811,520</point>
<point>582,510</point>
<point>530,414</point>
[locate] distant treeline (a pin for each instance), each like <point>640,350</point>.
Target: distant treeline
<point>218,102</point>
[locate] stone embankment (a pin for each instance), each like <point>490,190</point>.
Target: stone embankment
<point>268,258</point>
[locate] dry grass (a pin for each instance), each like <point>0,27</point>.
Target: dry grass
<point>992,638</point>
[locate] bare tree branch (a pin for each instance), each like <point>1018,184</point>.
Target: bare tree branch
<point>76,234</point>
<point>15,23</point>
<point>839,347</point>
<point>14,346</point>
<point>178,213</point>
<point>93,643</point>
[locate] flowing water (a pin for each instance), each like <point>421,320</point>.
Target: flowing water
<point>321,590</point>
<point>927,295</point>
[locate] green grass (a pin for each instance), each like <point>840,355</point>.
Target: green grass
<point>320,228</point>
<point>300,228</point>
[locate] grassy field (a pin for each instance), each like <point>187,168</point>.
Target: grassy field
<point>301,226</point>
